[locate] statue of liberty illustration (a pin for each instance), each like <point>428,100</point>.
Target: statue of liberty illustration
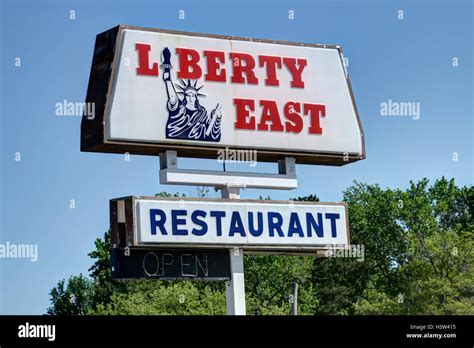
<point>187,119</point>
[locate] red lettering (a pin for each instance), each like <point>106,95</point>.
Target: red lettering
<point>295,122</point>
<point>239,69</point>
<point>188,64</point>
<point>243,119</point>
<point>315,111</point>
<point>296,67</point>
<point>213,66</point>
<point>144,61</point>
<point>270,114</point>
<point>271,64</point>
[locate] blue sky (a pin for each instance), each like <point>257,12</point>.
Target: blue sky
<point>409,60</point>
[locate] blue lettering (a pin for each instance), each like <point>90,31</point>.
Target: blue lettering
<point>160,223</point>
<point>311,223</point>
<point>218,215</point>
<point>295,225</point>
<point>195,219</point>
<point>272,226</point>
<point>236,225</point>
<point>176,222</point>
<point>256,232</point>
<point>333,218</point>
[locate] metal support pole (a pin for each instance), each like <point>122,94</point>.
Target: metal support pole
<point>235,288</point>
<point>294,299</point>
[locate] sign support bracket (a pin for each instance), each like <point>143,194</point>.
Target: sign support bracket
<point>170,174</point>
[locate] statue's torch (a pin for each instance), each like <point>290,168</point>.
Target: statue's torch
<point>166,65</point>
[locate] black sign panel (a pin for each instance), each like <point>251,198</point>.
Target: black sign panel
<point>171,264</point>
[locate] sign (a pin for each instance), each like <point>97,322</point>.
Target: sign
<point>169,264</point>
<point>248,224</point>
<point>157,90</point>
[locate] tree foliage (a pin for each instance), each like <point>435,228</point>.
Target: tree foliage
<point>73,298</point>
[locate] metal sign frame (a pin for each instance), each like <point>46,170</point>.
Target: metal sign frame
<point>94,132</point>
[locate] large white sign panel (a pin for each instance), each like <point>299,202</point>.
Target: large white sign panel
<point>247,224</point>
<point>181,90</point>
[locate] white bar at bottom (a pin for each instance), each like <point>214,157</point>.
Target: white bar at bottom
<point>210,178</point>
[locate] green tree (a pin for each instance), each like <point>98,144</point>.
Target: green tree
<point>437,264</point>
<point>100,273</point>
<point>268,280</point>
<point>73,298</point>
<point>165,298</point>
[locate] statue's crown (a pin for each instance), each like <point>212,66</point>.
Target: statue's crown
<point>189,86</point>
